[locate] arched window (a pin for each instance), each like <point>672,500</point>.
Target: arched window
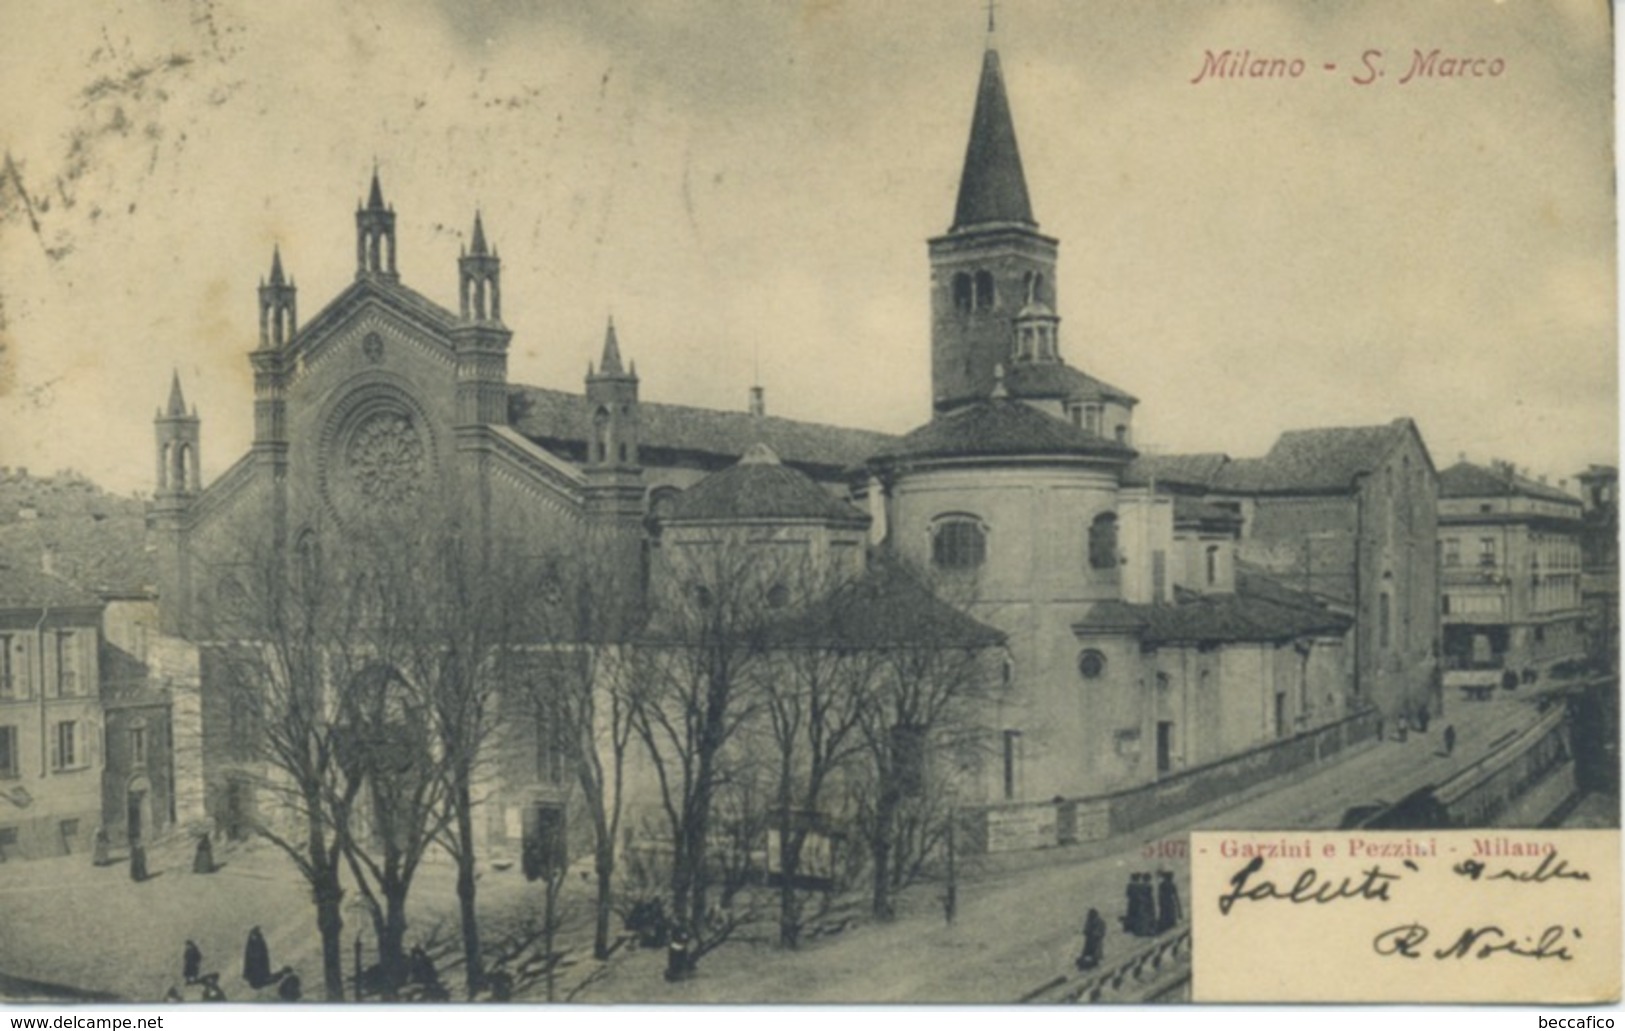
<point>308,560</point>
<point>984,290</point>
<point>958,543</point>
<point>1103,541</point>
<point>600,434</point>
<point>962,293</point>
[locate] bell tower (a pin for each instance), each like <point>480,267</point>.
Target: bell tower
<point>178,483</point>
<point>480,339</point>
<point>992,267</point>
<point>375,236</point>
<point>614,477</point>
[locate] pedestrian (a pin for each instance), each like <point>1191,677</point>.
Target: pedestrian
<point>1422,719</point>
<point>1449,738</point>
<point>211,988</point>
<point>174,995</point>
<point>203,858</point>
<point>1509,681</point>
<point>1131,905</point>
<point>1094,935</point>
<point>256,960</point>
<point>1168,912</point>
<point>289,989</point>
<point>138,862</point>
<point>677,955</point>
<point>1145,907</point>
<point>98,854</point>
<point>191,962</point>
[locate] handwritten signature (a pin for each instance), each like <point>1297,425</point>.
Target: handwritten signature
<point>1476,943</point>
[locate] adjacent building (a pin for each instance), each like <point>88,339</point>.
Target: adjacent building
<point>1510,554</point>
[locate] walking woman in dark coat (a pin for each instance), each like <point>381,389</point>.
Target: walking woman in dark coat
<point>191,962</point>
<point>1168,913</point>
<point>1094,935</point>
<point>256,960</point>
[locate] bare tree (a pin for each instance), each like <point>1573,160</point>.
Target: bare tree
<point>593,606</point>
<point>924,707</point>
<point>814,698</point>
<point>693,692</point>
<point>280,630</point>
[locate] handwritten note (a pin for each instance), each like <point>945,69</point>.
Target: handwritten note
<point>1447,916</point>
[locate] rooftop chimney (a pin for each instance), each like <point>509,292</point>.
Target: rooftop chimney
<point>758,401</point>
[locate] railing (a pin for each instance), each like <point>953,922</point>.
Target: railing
<point>1151,971</point>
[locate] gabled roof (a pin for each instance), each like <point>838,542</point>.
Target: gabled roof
<point>992,187</point>
<point>1190,510</point>
<point>1260,610</point>
<point>551,417</point>
<point>758,487</point>
<point>1059,380</point>
<point>1466,480</point>
<point>1001,427</point>
<point>404,299</point>
<point>1320,460</point>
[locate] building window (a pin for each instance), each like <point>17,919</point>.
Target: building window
<point>1212,564</point>
<point>1452,551</point>
<point>1445,605</point>
<point>600,435</point>
<point>138,746</point>
<point>1103,541</point>
<point>67,665</point>
<point>962,293</point>
<point>1012,757</point>
<point>1486,552</point>
<point>1091,664</point>
<point>1121,433</point>
<point>66,748</point>
<point>958,543</point>
<point>8,751</point>
<point>9,688</point>
<point>984,290</point>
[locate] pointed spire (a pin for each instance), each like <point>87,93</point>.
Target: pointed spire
<point>478,246</point>
<point>610,363</point>
<point>375,197</point>
<point>992,187</point>
<point>277,278</point>
<point>177,401</point>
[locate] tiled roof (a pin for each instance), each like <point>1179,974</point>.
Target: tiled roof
<point>1260,610</point>
<point>103,556</point>
<point>1325,459</point>
<point>759,487</point>
<point>992,187</point>
<point>1001,427</point>
<point>24,585</point>
<point>1059,380</point>
<point>1197,470</point>
<point>1466,480</point>
<point>887,607</point>
<point>554,416</point>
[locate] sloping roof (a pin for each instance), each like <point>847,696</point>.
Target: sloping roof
<point>1001,427</point>
<point>404,298</point>
<point>1199,470</point>
<point>1466,480</point>
<point>759,487</point>
<point>992,187</point>
<point>1260,610</point>
<point>25,585</point>
<point>887,607</point>
<point>1059,380</point>
<point>550,416</point>
<point>1325,459</point>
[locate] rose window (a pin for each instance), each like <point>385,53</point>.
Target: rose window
<point>385,459</point>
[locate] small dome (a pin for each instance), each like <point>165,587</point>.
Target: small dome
<point>1036,309</point>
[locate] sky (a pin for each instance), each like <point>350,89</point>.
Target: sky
<point>748,189</point>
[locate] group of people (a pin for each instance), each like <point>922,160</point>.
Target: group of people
<point>1151,910</point>
<point>256,971</point>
